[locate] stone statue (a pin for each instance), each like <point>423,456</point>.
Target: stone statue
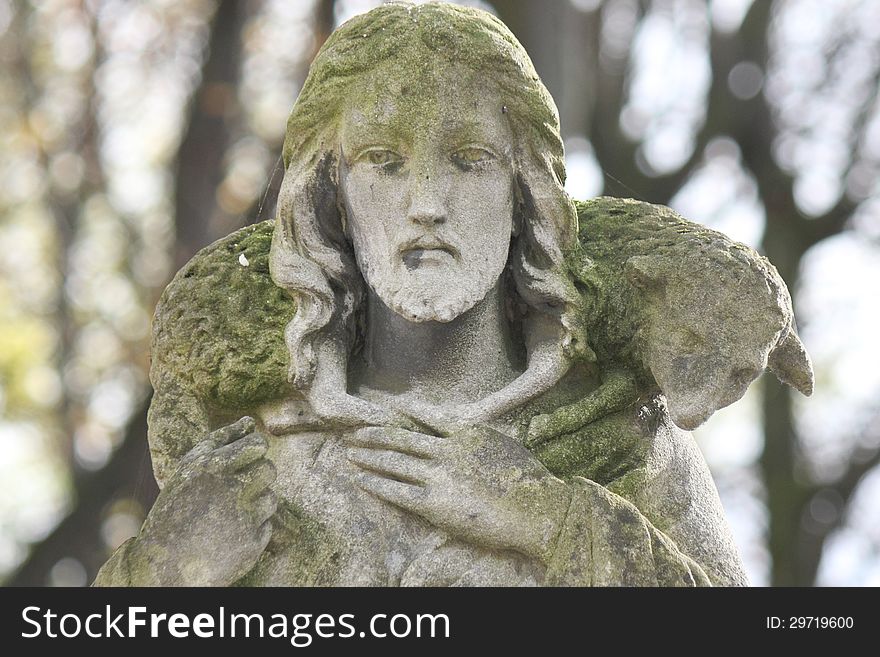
<point>423,372</point>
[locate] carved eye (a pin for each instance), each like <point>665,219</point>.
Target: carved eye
<point>383,157</point>
<point>470,157</point>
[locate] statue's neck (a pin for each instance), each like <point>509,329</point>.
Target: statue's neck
<point>458,361</point>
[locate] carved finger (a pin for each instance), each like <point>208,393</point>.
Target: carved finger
<point>406,496</point>
<point>399,440</point>
<point>258,477</point>
<point>241,453</point>
<point>393,464</point>
<point>220,437</point>
<point>232,432</point>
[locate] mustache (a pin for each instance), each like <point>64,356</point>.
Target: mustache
<point>429,241</point>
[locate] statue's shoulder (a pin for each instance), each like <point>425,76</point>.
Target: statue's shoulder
<point>218,329</point>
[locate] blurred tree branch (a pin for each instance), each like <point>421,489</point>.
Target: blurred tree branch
<point>813,535</point>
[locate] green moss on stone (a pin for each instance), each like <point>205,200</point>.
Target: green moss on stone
<point>219,326</point>
<point>419,41</point>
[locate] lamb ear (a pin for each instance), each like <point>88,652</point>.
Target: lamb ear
<point>645,271</point>
<point>791,364</point>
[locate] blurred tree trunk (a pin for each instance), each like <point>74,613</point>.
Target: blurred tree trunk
<point>538,29</point>
<point>215,116</point>
<point>794,539</point>
<point>129,472</point>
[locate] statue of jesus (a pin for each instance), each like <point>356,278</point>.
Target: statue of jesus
<point>421,242</point>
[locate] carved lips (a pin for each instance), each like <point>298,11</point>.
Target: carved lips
<point>427,250</point>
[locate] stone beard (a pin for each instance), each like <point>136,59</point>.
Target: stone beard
<point>426,283</point>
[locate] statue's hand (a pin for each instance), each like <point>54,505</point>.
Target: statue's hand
<point>211,522</point>
<point>478,485</point>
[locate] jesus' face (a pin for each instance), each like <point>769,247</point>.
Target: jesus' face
<point>427,180</point>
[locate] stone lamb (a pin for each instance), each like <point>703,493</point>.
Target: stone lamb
<point>677,308</point>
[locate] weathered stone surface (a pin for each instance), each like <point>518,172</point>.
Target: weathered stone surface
<point>445,384</point>
<point>220,322</point>
<point>677,308</point>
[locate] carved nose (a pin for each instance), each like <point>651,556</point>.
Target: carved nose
<point>428,216</point>
<point>427,207</point>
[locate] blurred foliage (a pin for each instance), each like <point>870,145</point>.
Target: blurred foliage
<point>136,132</point>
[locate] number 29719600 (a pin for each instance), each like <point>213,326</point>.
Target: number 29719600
<point>809,622</point>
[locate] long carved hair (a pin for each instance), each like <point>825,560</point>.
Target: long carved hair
<point>312,256</point>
